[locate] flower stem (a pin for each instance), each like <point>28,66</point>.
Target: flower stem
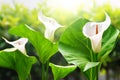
<point>43,72</point>
<point>45,68</point>
<point>94,71</point>
<point>29,78</point>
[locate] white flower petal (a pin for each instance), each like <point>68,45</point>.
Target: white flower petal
<point>94,31</point>
<point>19,44</point>
<point>106,23</point>
<point>51,26</point>
<point>49,34</point>
<point>96,42</point>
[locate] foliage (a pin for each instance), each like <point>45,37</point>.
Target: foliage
<point>61,71</point>
<point>14,17</point>
<point>44,47</point>
<point>76,48</point>
<point>17,61</point>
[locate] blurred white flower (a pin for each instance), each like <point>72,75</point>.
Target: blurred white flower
<point>94,31</point>
<point>51,26</point>
<point>18,44</point>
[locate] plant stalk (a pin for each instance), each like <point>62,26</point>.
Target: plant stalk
<point>45,68</point>
<point>43,72</point>
<point>95,70</point>
<point>29,77</point>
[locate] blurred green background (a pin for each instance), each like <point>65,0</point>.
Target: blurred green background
<point>15,12</point>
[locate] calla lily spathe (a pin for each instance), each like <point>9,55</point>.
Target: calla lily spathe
<point>51,26</point>
<point>18,44</point>
<point>94,31</point>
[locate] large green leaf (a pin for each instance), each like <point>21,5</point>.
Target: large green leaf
<point>74,45</point>
<point>17,61</point>
<point>44,47</point>
<point>61,71</point>
<point>76,48</point>
<point>108,41</point>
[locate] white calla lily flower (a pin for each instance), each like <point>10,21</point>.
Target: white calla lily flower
<point>51,26</point>
<point>18,44</point>
<point>94,31</point>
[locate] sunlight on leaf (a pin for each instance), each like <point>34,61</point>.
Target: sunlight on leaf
<point>90,65</point>
<point>61,71</point>
<point>17,61</point>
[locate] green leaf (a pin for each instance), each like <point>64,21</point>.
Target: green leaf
<point>76,48</point>
<point>44,47</point>
<point>61,71</point>
<point>108,42</point>
<point>74,45</point>
<point>17,61</point>
<point>90,65</point>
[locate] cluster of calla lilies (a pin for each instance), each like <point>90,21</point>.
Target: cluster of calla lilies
<point>73,45</point>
